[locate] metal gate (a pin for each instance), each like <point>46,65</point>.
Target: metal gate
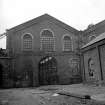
<point>48,71</point>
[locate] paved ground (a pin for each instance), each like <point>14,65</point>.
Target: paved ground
<point>47,95</point>
<point>32,97</point>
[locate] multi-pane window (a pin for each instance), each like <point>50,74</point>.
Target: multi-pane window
<point>47,41</point>
<point>27,42</point>
<point>67,43</point>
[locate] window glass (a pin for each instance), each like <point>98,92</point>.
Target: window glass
<point>47,41</point>
<point>27,41</point>
<point>67,43</point>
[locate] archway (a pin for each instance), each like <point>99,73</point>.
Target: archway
<point>48,71</point>
<point>1,76</point>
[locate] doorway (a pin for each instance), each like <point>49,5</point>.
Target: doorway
<point>48,71</point>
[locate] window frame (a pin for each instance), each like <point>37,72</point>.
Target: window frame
<point>22,42</point>
<point>41,37</point>
<point>63,44</point>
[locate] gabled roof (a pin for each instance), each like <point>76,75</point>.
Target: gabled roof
<point>97,39</point>
<point>42,18</point>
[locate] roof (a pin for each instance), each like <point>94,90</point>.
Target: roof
<point>94,27</point>
<point>97,39</point>
<point>42,18</point>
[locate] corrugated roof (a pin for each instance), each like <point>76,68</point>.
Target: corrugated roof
<point>98,38</point>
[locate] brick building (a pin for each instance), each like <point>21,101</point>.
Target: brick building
<point>46,51</point>
<point>5,69</point>
<point>43,51</point>
<point>92,32</point>
<point>93,58</point>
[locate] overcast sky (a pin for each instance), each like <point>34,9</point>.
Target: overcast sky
<point>76,13</point>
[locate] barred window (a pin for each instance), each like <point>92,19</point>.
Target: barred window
<point>47,41</point>
<point>27,42</point>
<point>67,43</point>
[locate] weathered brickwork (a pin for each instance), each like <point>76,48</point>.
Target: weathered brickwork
<point>28,61</point>
<point>46,51</point>
<point>93,58</point>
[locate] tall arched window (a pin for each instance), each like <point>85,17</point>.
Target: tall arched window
<point>47,40</point>
<point>27,42</point>
<point>67,43</point>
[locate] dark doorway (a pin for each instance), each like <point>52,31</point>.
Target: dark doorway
<point>48,71</point>
<point>1,76</point>
<point>27,78</point>
<point>24,78</point>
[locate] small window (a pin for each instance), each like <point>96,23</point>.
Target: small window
<point>27,42</point>
<point>47,40</point>
<point>92,37</point>
<point>67,43</point>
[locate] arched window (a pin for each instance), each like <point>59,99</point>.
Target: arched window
<point>67,43</point>
<point>27,42</point>
<point>47,40</point>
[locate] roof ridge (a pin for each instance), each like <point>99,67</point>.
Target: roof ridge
<point>41,18</point>
<point>95,40</point>
<point>94,26</point>
<point>44,15</point>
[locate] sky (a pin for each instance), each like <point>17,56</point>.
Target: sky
<point>76,13</point>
